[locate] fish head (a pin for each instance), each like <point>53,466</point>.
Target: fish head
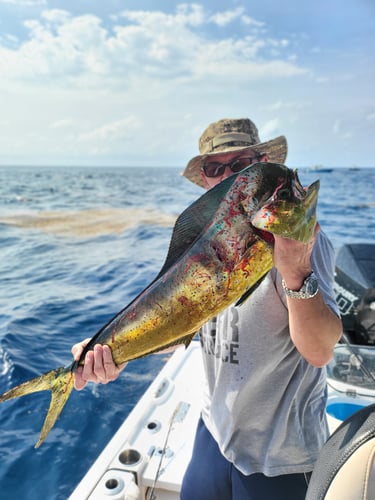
<point>290,209</point>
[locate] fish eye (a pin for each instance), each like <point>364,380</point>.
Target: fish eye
<point>284,194</point>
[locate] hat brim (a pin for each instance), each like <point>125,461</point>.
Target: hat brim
<point>276,150</point>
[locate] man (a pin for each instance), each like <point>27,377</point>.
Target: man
<point>263,419</point>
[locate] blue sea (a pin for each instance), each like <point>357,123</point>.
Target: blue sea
<point>76,245</point>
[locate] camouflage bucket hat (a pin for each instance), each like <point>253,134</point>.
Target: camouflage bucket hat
<point>228,135</point>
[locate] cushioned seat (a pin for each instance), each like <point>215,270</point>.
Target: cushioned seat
<point>345,469</point>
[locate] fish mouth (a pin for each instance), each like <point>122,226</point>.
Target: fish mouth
<point>289,213</point>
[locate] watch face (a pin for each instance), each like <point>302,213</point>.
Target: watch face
<point>308,290</point>
<point>311,285</point>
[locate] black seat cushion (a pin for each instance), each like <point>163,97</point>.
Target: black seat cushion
<point>355,431</point>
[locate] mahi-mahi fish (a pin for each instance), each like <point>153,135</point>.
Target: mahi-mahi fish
<point>221,248</point>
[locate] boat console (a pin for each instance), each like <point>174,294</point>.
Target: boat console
<point>355,291</point>
<point>351,373</point>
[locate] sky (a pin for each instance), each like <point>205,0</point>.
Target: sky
<point>135,82</point>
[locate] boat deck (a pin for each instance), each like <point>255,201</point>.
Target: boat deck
<point>147,457</point>
<point>166,413</point>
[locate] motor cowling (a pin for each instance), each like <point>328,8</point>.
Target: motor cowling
<point>355,291</point>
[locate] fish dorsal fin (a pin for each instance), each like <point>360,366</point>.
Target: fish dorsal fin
<point>191,223</point>
<point>188,227</point>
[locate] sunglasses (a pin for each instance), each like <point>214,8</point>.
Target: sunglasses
<point>217,169</point>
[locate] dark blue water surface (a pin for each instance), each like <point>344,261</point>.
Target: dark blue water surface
<point>76,245</point>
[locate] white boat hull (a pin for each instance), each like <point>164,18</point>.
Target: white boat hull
<point>129,464</point>
<point>163,423</point>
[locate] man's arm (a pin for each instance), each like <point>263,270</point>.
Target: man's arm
<point>314,327</point>
<point>99,366</point>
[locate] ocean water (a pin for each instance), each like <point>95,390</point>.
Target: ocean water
<point>76,245</point>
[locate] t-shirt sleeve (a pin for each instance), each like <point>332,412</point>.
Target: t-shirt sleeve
<point>323,264</point>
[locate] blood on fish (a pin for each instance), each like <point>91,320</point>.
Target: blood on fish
<point>183,300</point>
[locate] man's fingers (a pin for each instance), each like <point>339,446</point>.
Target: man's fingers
<point>98,369</point>
<point>88,367</point>
<point>111,370</point>
<point>78,348</point>
<point>98,366</point>
<point>79,383</point>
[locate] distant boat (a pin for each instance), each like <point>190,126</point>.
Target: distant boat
<point>320,168</point>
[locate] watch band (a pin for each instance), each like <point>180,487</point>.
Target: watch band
<point>308,290</point>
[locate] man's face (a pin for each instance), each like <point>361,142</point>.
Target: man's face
<point>219,167</point>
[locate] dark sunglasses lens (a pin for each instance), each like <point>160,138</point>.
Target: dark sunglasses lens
<point>240,164</point>
<point>214,169</point>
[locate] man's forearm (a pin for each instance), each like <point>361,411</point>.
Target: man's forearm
<point>314,328</point>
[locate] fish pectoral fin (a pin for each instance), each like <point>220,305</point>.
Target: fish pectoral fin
<point>248,292</point>
<point>181,341</point>
<point>186,340</point>
<point>60,382</point>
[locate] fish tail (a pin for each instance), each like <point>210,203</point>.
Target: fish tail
<point>60,382</point>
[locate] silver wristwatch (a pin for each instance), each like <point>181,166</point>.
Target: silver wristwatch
<point>307,291</point>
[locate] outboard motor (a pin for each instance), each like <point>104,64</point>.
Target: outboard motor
<point>355,291</point>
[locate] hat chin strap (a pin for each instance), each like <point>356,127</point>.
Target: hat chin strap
<point>231,137</point>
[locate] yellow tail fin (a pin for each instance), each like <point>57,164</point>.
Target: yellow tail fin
<point>59,381</point>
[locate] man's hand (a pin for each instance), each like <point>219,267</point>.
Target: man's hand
<point>293,259</point>
<point>99,366</point>
<point>314,327</point>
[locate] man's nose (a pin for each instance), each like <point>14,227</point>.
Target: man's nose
<point>227,172</point>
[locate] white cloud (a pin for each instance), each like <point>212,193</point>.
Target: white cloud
<point>95,88</point>
<point>226,17</point>
<point>25,2</point>
<point>249,20</point>
<point>269,129</point>
<point>288,105</point>
<point>337,127</point>
<point>58,16</point>
<point>105,136</point>
<point>340,131</point>
<point>63,123</point>
<point>323,79</point>
<point>151,44</point>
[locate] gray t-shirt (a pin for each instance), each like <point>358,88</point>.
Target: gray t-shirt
<point>263,402</point>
